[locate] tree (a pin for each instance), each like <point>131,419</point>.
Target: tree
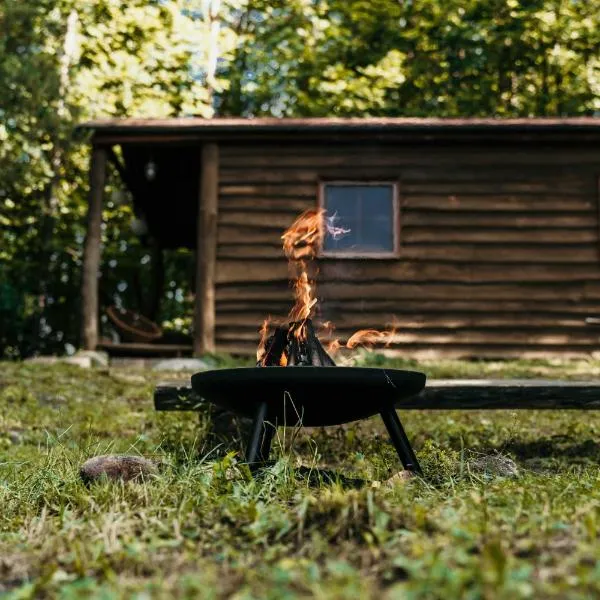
<point>417,58</point>
<point>63,62</point>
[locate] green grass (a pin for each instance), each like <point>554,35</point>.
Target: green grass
<point>322,522</point>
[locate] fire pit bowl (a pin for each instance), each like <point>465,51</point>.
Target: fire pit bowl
<point>311,396</point>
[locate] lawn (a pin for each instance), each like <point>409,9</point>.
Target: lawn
<point>322,522</point>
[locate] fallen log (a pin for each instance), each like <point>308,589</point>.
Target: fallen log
<point>449,394</point>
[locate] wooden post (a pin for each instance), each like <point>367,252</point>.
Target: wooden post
<point>91,251</point>
<point>206,251</point>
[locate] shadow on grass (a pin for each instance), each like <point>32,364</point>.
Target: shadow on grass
<point>558,446</point>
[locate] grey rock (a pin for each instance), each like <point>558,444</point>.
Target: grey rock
<point>495,465</point>
<point>118,468</point>
<point>96,358</point>
<point>182,364</point>
<point>400,477</point>
<point>83,358</point>
<point>85,362</point>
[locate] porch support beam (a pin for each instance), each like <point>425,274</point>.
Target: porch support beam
<point>92,250</point>
<point>206,251</point>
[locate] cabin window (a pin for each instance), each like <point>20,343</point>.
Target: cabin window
<point>369,211</point>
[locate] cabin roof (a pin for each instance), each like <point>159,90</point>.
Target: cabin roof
<point>248,128</point>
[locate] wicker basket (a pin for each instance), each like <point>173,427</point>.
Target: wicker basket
<point>133,326</point>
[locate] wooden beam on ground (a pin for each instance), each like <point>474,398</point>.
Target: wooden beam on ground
<point>91,252</point>
<point>206,251</point>
<point>451,394</point>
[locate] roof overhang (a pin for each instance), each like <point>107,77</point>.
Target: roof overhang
<point>182,130</point>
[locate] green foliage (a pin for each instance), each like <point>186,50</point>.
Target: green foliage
<point>204,528</point>
<point>426,58</point>
<point>63,62</point>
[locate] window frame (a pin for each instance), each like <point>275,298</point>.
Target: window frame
<point>395,185</point>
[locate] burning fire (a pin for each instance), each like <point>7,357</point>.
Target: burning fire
<point>301,244</point>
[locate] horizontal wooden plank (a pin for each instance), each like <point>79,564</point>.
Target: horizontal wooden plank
<point>525,179</point>
<point>492,202</point>
<point>456,351</point>
<point>497,337</point>
<point>278,220</point>
<point>268,190</point>
<point>337,290</point>
<point>387,321</point>
<point>518,220</point>
<point>259,204</point>
<point>539,254</point>
<point>411,309</point>
<point>456,291</point>
<point>275,270</point>
<point>329,308</point>
<point>506,394</point>
<point>229,271</point>
<point>488,203</point>
<point>228,236</point>
<point>349,155</point>
<point>431,183</point>
<point>475,253</point>
<point>258,248</point>
<point>377,167</point>
<point>261,246</point>
<point>480,235</point>
<point>542,185</point>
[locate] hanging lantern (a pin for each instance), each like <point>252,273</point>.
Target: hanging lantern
<point>150,170</point>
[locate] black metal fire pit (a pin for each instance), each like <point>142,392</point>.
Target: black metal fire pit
<point>311,396</point>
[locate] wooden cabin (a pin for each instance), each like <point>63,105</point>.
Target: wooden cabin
<point>479,238</point>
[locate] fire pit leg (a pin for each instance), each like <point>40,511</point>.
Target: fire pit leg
<point>400,441</point>
<point>261,435</point>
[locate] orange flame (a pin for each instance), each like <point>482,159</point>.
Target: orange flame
<point>334,346</point>
<point>301,242</point>
<point>369,337</point>
<point>264,334</point>
<point>326,328</point>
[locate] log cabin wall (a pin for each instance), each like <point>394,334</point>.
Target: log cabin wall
<point>499,245</point>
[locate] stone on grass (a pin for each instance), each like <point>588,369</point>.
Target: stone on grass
<point>118,468</point>
<point>182,364</point>
<point>85,362</point>
<point>96,358</point>
<point>495,465</point>
<point>400,477</point>
<point>84,358</point>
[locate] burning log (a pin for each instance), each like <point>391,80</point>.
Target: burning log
<point>297,345</point>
